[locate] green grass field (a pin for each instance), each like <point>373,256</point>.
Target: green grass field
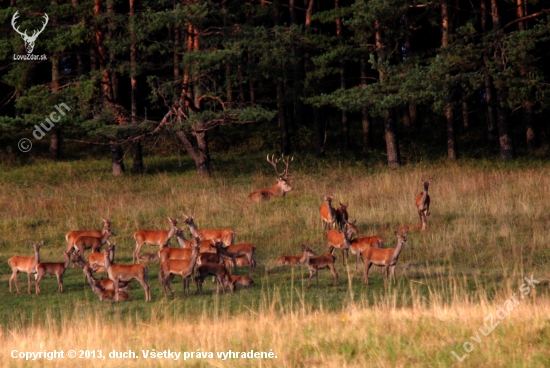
<point>487,231</point>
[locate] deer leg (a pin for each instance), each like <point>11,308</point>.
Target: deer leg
<point>60,283</point>
<point>167,281</point>
<point>136,252</point>
<point>37,283</point>
<point>335,273</point>
<point>13,278</point>
<point>393,274</point>
<point>368,265</point>
<point>317,276</point>
<point>386,274</point>
<point>235,264</point>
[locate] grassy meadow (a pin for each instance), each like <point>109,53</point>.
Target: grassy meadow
<point>488,230</point>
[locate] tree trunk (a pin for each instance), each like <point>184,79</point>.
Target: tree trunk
<point>365,118</point>
<point>55,153</point>
<point>117,159</point>
<point>345,126</point>
<point>319,132</point>
<point>489,99</point>
<point>138,152</point>
<point>285,138</point>
<point>451,136</point>
<point>392,147</point>
<point>465,116</point>
<point>201,158</point>
<point>413,115</point>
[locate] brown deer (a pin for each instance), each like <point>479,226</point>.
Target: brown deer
<point>159,238</point>
<point>342,215</point>
<point>24,264</point>
<point>217,270</point>
<point>340,240</point>
<point>423,203</point>
<point>288,260</point>
<point>206,245</point>
<point>242,280</point>
<point>358,245</point>
<point>183,267</point>
<point>315,263</point>
<point>241,262</point>
<point>328,213</point>
<point>53,268</point>
<point>403,228</point>
<point>126,273</point>
<point>386,258</point>
<point>240,250</point>
<point>211,257</point>
<point>72,235</point>
<point>105,283</point>
<point>225,236</point>
<point>280,188</point>
<point>84,242</point>
<point>177,254</point>
<point>103,293</point>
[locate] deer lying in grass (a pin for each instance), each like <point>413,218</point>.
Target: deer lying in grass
<point>240,250</point>
<point>53,268</point>
<point>105,283</point>
<point>72,235</point>
<point>225,236</point>
<point>386,258</point>
<point>339,239</point>
<point>177,253</point>
<point>315,263</point>
<point>102,293</point>
<point>280,188</point>
<point>288,260</point>
<point>24,264</point>
<point>158,238</point>
<point>206,245</point>
<point>217,270</point>
<point>358,245</point>
<point>183,267</point>
<point>86,242</point>
<point>403,228</point>
<point>342,215</point>
<point>328,213</point>
<point>126,273</point>
<point>242,280</point>
<point>423,203</point>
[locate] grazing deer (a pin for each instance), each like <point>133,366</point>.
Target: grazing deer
<point>103,293</point>
<point>217,270</point>
<point>358,245</point>
<point>340,240</point>
<point>154,237</point>
<point>423,203</point>
<point>53,268</point>
<point>84,242</point>
<point>177,254</point>
<point>105,283</point>
<point>24,264</point>
<point>121,272</point>
<point>288,260</point>
<point>280,188</point>
<point>240,250</point>
<point>225,236</point>
<point>342,215</point>
<point>315,263</point>
<point>328,213</point>
<point>183,267</point>
<point>242,280</point>
<point>72,235</point>
<point>386,258</point>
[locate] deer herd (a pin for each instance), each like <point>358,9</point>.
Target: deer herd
<point>212,252</point>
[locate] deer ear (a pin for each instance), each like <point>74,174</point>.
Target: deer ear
<point>396,233</point>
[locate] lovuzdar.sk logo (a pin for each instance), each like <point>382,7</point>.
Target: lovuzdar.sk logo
<point>29,40</point>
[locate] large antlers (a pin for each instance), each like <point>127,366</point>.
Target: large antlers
<point>273,162</point>
<point>29,40</point>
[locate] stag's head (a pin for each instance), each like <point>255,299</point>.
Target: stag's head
<point>29,40</point>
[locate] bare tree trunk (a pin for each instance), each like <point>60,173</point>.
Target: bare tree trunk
<point>138,152</point>
<point>489,99</point>
<point>465,115</point>
<point>365,118</point>
<point>319,132</point>
<point>445,36</point>
<point>285,138</point>
<point>345,126</point>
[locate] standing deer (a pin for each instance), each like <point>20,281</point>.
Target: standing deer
<point>205,257</point>
<point>206,245</point>
<point>185,268</point>
<point>159,238</point>
<point>328,213</point>
<point>340,240</point>
<point>103,293</point>
<point>280,188</point>
<point>423,203</point>
<point>167,253</point>
<point>386,258</point>
<point>84,242</point>
<point>240,250</point>
<point>72,235</point>
<point>358,245</point>
<point>24,264</point>
<point>342,215</point>
<point>218,271</point>
<point>126,273</point>
<point>288,260</point>
<point>104,283</point>
<point>225,236</point>
<point>315,263</point>
<point>53,268</point>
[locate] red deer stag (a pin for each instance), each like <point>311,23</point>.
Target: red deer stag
<point>280,188</point>
<point>126,273</point>
<point>159,238</point>
<point>386,258</point>
<point>24,264</point>
<point>316,263</point>
<point>328,213</point>
<point>53,268</point>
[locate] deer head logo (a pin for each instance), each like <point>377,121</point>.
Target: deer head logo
<point>29,40</point>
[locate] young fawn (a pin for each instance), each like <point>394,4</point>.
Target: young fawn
<point>315,263</point>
